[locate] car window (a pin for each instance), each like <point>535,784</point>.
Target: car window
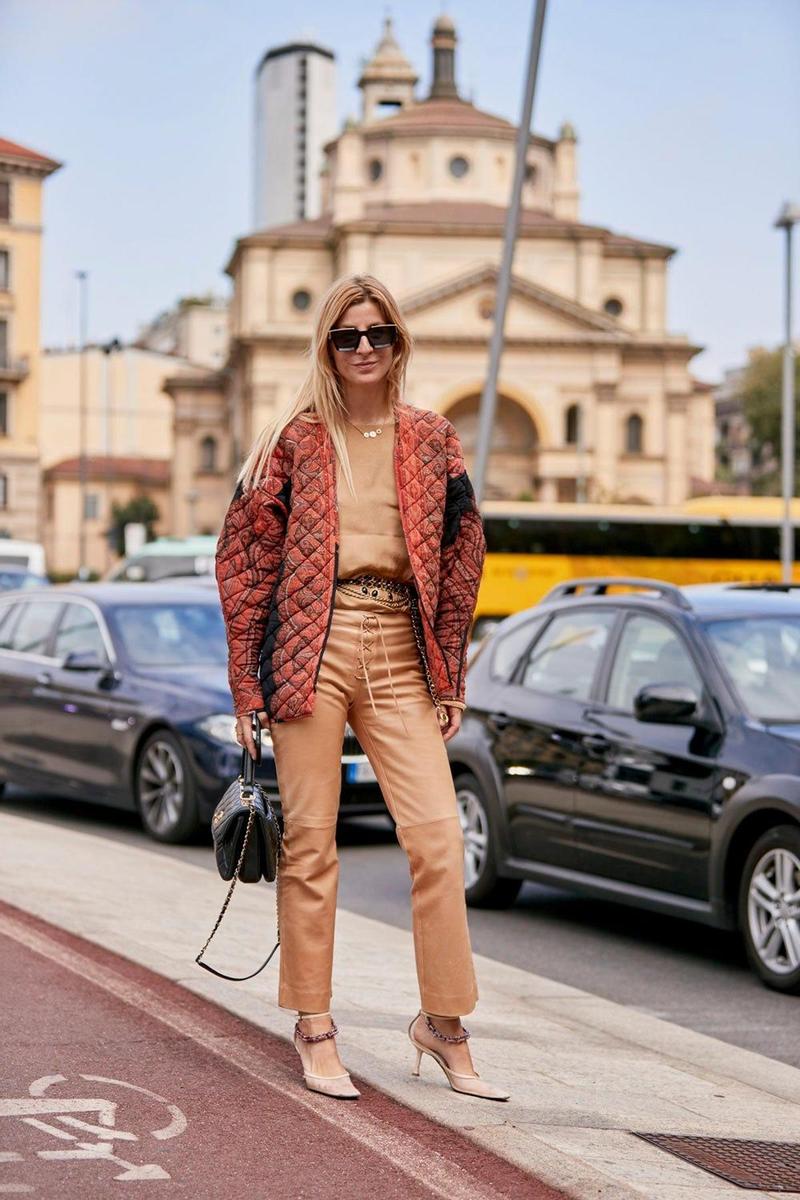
<point>172,634</point>
<point>509,648</point>
<point>762,657</point>
<point>565,658</point>
<point>78,630</point>
<point>31,633</point>
<point>8,615</point>
<point>649,651</point>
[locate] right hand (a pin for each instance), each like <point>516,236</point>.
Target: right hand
<point>244,732</point>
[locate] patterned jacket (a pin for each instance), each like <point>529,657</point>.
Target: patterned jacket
<point>278,550</point>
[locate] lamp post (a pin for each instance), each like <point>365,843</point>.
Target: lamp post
<point>787,219</point>
<point>83,303</point>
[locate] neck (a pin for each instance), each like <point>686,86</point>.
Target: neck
<point>367,403</point>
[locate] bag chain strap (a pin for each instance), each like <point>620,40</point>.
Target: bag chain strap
<point>441,712</point>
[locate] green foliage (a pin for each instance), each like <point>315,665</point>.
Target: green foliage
<point>760,394</point>
<point>141,510</point>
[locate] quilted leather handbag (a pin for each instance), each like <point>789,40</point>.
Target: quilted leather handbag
<point>247,841</point>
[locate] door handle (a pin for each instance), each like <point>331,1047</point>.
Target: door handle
<point>44,677</point>
<point>595,743</point>
<point>498,721</point>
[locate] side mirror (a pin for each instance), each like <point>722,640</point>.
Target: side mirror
<point>667,704</point>
<point>84,660</point>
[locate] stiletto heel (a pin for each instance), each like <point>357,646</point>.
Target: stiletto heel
<point>470,1085</point>
<point>340,1087</point>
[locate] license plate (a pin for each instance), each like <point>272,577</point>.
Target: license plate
<point>360,772</point>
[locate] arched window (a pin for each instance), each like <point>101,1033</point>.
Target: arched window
<point>3,490</point>
<point>572,424</point>
<point>634,434</point>
<point>208,454</point>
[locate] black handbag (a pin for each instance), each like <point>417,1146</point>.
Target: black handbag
<point>247,841</point>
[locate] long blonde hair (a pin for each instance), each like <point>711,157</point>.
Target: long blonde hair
<point>320,395</point>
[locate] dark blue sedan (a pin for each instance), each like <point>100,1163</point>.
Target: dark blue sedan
<point>118,693</point>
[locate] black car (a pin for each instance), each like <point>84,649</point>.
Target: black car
<point>118,693</point>
<point>639,742</point>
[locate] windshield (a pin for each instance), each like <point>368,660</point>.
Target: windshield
<point>762,657</point>
<point>165,635</point>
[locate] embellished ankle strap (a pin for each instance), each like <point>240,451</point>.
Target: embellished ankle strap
<point>315,1037</point>
<point>445,1037</point>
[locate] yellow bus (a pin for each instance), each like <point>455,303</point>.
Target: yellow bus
<point>533,546</point>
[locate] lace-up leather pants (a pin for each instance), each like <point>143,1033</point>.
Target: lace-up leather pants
<point>371,676</point>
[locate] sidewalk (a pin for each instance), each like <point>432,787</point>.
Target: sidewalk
<point>585,1074</point>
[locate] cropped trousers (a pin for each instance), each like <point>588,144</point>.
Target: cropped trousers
<point>370,675</point>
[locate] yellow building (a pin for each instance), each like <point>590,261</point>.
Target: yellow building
<point>596,399</point>
<point>22,173</point>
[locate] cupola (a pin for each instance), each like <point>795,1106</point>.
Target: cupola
<point>387,80</point>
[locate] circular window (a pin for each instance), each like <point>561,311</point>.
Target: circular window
<point>530,172</point>
<point>458,166</point>
<point>301,299</point>
<point>613,306</point>
<point>375,169</point>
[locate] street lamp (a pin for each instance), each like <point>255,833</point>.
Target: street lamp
<point>83,300</point>
<point>788,217</point>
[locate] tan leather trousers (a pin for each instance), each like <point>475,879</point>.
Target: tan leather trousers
<point>371,676</point>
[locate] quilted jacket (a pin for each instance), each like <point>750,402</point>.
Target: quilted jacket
<point>277,556</point>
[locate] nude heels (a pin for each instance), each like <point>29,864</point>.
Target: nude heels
<point>340,1087</point>
<point>470,1085</point>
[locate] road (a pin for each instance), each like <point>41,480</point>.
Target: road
<point>673,969</point>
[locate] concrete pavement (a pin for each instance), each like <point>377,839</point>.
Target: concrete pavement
<point>585,1074</point>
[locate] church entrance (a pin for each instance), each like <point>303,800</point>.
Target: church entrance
<point>513,470</point>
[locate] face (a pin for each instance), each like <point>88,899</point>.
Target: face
<point>362,365</point>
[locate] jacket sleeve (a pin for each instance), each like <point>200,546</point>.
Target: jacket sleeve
<point>463,550</point>
<point>247,564</point>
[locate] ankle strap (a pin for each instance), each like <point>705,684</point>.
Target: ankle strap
<point>315,1037</point>
<point>445,1037</point>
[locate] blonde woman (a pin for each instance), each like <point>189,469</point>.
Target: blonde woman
<point>348,568</point>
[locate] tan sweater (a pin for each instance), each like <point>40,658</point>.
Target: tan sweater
<point>371,535</point>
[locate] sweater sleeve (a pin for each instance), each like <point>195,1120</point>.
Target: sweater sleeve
<point>463,550</point>
<point>247,565</point>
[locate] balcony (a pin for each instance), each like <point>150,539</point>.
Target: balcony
<point>12,370</point>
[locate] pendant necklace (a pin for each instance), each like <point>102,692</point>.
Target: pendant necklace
<point>369,433</point>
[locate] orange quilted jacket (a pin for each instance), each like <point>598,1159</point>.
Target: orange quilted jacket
<point>278,550</point>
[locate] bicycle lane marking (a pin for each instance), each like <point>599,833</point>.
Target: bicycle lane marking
<point>418,1161</point>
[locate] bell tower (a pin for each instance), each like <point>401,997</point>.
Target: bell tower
<point>387,80</point>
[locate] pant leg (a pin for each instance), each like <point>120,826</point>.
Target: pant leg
<point>308,755</point>
<point>414,773</point>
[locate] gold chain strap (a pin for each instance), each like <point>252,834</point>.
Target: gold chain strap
<point>441,711</point>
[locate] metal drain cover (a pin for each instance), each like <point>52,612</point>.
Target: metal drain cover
<point>773,1166</point>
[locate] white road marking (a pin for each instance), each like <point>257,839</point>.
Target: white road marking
<point>425,1166</point>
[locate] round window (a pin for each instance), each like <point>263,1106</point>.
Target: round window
<point>375,169</point>
<point>301,299</point>
<point>613,306</point>
<point>458,166</point>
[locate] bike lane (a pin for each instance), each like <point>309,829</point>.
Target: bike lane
<point>114,1078</point>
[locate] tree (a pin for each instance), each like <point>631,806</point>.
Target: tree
<point>759,392</point>
<point>140,510</point>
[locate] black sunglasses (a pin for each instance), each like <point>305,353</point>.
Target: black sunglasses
<point>380,337</point>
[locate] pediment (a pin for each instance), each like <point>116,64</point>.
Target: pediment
<point>457,307</point>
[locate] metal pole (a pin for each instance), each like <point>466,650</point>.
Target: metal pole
<point>489,398</point>
<point>788,421</point>
<point>83,289</point>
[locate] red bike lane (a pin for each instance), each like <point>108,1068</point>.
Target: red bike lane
<point>114,1078</point>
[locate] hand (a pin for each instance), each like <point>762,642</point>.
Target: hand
<point>452,728</point>
<point>244,732</point>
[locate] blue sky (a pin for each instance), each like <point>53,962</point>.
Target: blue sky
<point>687,111</point>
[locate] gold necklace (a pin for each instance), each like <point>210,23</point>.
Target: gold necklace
<point>369,433</point>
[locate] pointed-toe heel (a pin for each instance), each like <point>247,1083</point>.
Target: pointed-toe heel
<point>339,1087</point>
<point>468,1085</point>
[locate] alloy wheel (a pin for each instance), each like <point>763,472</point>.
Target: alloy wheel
<point>773,910</point>
<point>475,827</point>
<point>162,790</point>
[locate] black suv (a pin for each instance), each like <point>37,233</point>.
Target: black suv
<point>636,741</point>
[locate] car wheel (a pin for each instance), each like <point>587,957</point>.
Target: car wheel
<point>769,908</point>
<point>165,791</point>
<point>483,886</point>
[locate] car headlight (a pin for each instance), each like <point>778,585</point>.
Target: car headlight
<point>221,727</point>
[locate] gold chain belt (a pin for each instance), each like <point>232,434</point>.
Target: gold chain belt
<point>391,593</point>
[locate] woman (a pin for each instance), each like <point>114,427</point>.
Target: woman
<point>348,567</point>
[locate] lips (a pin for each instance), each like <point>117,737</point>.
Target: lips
<point>362,366</point>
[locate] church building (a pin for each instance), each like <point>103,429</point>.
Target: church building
<point>596,400</point>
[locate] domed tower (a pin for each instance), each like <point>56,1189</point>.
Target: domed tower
<point>387,80</point>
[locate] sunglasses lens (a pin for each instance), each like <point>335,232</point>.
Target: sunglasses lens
<point>381,336</point>
<point>345,339</point>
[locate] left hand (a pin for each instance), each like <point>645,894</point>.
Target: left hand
<point>451,729</point>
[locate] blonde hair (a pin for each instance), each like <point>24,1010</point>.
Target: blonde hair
<point>320,395</point>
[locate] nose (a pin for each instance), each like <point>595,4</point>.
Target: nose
<point>363,345</point>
